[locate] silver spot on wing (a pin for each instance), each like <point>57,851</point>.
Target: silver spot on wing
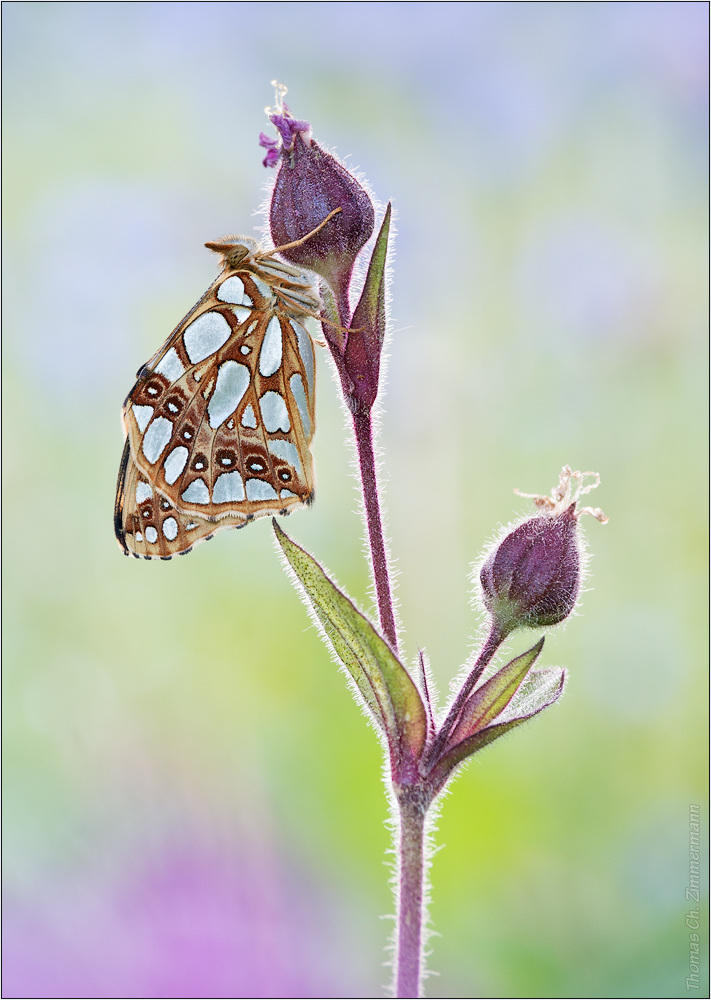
<point>197,492</point>
<point>228,488</point>
<point>248,417</point>
<point>257,489</point>
<point>232,383</point>
<point>174,464</point>
<point>205,335</point>
<point>156,438</point>
<point>143,415</point>
<point>287,452</point>
<point>143,492</point>
<point>274,412</point>
<point>170,365</point>
<point>306,350</point>
<point>297,390</point>
<point>270,354</point>
<point>170,528</point>
<point>232,291</point>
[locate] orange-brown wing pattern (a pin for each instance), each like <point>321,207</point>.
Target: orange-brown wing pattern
<point>148,527</point>
<point>220,419</point>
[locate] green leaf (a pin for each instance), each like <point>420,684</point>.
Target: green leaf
<point>540,689</point>
<point>383,682</point>
<point>370,311</point>
<point>492,697</point>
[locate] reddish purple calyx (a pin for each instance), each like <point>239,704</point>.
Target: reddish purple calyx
<point>532,580</point>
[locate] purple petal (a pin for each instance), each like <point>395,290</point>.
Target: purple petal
<point>271,159</point>
<point>288,128</point>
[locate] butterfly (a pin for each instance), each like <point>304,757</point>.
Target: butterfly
<point>219,422</point>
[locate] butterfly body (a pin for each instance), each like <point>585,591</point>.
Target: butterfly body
<point>219,422</point>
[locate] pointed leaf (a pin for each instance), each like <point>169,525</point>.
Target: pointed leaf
<point>492,697</point>
<point>384,684</point>
<point>370,311</point>
<point>540,689</point>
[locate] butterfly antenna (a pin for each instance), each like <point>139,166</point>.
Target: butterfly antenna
<point>297,243</point>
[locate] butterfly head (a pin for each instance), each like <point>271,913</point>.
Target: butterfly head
<point>233,249</point>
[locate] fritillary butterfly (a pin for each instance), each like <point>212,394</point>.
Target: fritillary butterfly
<point>219,423</point>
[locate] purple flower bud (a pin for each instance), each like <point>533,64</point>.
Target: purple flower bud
<point>532,578</point>
<point>309,186</point>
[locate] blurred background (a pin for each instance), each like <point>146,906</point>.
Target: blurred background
<point>193,803</point>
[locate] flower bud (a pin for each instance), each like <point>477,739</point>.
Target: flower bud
<point>309,186</point>
<point>532,578</point>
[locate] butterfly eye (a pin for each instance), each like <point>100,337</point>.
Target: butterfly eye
<point>284,476</point>
<point>199,463</point>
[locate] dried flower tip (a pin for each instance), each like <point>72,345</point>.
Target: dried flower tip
<point>288,128</point>
<point>568,491</point>
<point>286,125</point>
<point>271,146</point>
<point>280,92</point>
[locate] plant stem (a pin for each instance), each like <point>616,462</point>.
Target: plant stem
<point>411,871</point>
<point>362,425</point>
<point>494,640</point>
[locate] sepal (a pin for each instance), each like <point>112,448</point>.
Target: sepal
<point>365,340</point>
<point>539,689</point>
<point>491,698</point>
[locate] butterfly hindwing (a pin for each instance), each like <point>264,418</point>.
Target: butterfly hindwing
<point>148,527</point>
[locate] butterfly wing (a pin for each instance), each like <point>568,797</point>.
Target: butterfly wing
<point>148,526</point>
<point>220,420</point>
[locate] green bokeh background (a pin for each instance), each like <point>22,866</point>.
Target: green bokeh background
<point>193,803</point>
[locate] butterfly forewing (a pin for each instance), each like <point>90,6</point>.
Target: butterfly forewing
<point>220,420</point>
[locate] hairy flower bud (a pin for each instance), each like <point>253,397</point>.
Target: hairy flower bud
<point>309,186</point>
<point>532,578</point>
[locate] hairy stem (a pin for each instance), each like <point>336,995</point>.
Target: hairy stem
<point>411,872</point>
<point>362,424</point>
<point>494,640</point>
